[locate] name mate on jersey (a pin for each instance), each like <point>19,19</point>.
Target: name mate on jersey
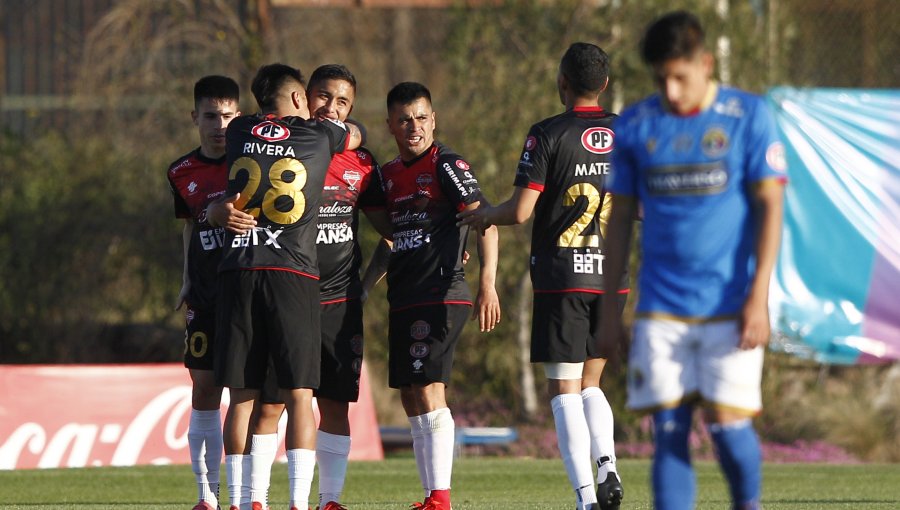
<point>591,169</point>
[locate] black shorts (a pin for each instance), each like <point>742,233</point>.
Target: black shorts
<point>199,338</point>
<point>263,314</point>
<point>342,350</point>
<point>422,340</point>
<point>342,353</point>
<point>565,326</point>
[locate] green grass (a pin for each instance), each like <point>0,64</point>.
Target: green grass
<point>483,483</point>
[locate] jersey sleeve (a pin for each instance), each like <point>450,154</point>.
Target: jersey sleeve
<point>622,178</point>
<point>337,134</point>
<point>534,161</point>
<point>372,194</point>
<point>181,208</point>
<point>765,151</point>
<point>457,180</point>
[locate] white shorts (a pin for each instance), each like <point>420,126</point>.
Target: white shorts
<point>672,362</point>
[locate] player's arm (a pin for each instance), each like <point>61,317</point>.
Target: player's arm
<point>186,234</point>
<point>222,213</point>
<point>487,303</point>
<point>514,211</point>
<point>768,205</point>
<point>615,259</point>
<point>354,136</point>
<point>377,268</point>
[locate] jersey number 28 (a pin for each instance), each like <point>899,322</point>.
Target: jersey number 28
<point>284,201</point>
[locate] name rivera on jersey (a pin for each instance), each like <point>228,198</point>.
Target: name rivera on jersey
<point>268,149</point>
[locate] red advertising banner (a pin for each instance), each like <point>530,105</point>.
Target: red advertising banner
<point>119,415</point>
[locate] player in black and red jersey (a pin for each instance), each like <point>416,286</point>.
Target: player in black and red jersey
<point>196,179</point>
<point>268,277</point>
<point>425,186</point>
<point>353,182</point>
<point>561,178</point>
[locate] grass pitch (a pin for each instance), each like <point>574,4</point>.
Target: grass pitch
<point>483,483</point>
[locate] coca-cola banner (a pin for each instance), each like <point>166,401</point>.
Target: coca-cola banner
<point>118,415</point>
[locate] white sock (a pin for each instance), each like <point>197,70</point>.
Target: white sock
<point>205,442</point>
<point>263,448</point>
<point>332,451</point>
<point>238,468</point>
<point>418,437</point>
<point>301,466</point>
<point>440,434</point>
<point>599,417</point>
<point>574,444</point>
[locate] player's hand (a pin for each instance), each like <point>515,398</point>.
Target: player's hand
<point>222,213</point>
<point>613,340</point>
<point>754,324</point>
<point>182,295</point>
<point>476,218</point>
<point>487,308</point>
<point>465,257</point>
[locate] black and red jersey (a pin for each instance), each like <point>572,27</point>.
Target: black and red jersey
<point>278,166</point>
<point>423,197</point>
<point>566,158</point>
<point>353,181</point>
<point>195,181</point>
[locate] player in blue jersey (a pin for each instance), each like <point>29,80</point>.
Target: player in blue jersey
<point>561,178</point>
<point>705,163</point>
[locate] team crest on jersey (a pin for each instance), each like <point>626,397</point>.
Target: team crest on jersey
<point>419,350</point>
<point>462,165</point>
<point>530,143</point>
<point>270,131</point>
<point>420,330</point>
<point>423,180</point>
<point>714,142</point>
<point>776,157</point>
<point>598,140</point>
<point>352,178</point>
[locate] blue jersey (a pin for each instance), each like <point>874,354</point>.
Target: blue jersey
<point>694,177</point>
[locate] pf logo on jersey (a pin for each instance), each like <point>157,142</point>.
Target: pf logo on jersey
<point>270,131</point>
<point>598,140</point>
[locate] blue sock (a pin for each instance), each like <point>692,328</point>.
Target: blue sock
<point>674,483</point>
<point>741,460</point>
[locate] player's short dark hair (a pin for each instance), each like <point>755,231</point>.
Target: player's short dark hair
<point>217,87</point>
<point>407,92</point>
<point>268,82</point>
<point>678,34</point>
<point>586,67</point>
<point>332,72</point>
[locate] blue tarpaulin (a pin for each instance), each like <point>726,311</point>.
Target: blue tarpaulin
<point>835,293</point>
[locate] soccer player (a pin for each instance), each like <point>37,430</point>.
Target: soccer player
<point>561,178</point>
<point>705,163</point>
<point>196,179</point>
<point>425,186</point>
<point>268,277</point>
<point>353,182</point>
